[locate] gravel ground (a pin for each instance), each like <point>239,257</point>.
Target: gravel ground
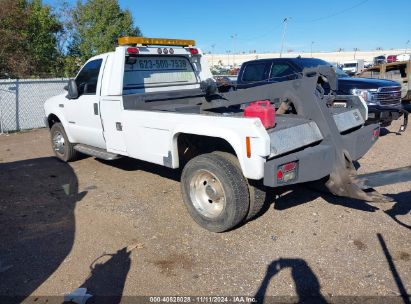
<point>120,228</point>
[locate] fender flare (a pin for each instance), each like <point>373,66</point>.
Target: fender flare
<point>252,168</point>
<point>64,122</point>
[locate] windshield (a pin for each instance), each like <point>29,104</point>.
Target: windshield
<point>314,62</point>
<point>340,73</point>
<point>350,65</point>
<point>310,62</point>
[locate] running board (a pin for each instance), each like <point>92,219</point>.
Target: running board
<point>96,152</point>
<point>383,178</point>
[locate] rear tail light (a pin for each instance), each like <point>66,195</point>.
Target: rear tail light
<point>193,51</point>
<point>287,173</point>
<point>133,51</point>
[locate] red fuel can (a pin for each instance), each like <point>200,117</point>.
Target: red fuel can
<point>263,110</point>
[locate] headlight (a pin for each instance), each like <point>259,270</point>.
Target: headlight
<point>365,94</point>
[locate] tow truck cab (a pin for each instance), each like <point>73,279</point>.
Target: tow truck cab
<point>92,115</point>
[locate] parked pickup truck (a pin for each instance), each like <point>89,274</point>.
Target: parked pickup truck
<point>154,100</point>
<point>399,71</point>
<point>383,97</point>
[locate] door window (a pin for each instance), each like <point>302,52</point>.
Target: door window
<point>281,70</point>
<point>396,72</point>
<point>371,74</point>
<point>255,72</point>
<point>87,79</point>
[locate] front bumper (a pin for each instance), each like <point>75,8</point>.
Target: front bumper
<point>317,162</point>
<point>383,114</point>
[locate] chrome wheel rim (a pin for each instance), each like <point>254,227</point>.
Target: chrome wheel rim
<point>58,142</point>
<point>207,194</point>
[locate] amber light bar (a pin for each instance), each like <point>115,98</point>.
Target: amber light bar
<point>154,41</point>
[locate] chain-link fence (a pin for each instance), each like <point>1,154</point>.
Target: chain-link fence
<point>22,100</point>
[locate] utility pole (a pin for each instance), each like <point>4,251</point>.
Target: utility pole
<point>234,37</point>
<point>355,52</point>
<point>285,22</point>
<point>212,54</point>
<point>312,42</point>
<point>406,46</point>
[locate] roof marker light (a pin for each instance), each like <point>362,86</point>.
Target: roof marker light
<point>193,51</point>
<point>133,50</point>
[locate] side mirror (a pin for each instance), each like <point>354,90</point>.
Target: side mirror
<point>72,89</point>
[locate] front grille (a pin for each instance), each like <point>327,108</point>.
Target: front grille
<point>387,96</point>
<point>389,89</point>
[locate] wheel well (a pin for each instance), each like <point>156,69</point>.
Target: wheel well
<point>52,119</point>
<point>191,145</point>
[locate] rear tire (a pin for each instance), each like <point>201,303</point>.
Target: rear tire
<point>215,192</point>
<point>256,190</point>
<point>257,200</point>
<point>62,147</point>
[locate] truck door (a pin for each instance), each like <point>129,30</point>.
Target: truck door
<point>112,116</point>
<point>83,114</point>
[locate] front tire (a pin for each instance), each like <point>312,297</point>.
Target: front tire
<point>215,192</point>
<point>62,147</point>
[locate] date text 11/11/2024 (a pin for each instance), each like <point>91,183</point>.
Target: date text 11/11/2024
<point>203,299</point>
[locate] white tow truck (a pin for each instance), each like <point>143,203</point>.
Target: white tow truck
<point>155,100</point>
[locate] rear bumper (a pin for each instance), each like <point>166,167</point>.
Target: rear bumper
<point>313,163</point>
<point>317,162</point>
<point>359,142</point>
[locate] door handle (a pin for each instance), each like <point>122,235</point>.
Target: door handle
<point>96,109</point>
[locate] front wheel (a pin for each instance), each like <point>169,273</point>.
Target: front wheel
<point>215,192</point>
<point>62,147</point>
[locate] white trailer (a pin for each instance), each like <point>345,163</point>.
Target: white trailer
<point>353,67</point>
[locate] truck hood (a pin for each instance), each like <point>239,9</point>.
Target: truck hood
<point>54,101</point>
<point>346,84</point>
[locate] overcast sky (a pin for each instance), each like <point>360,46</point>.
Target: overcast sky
<point>258,24</point>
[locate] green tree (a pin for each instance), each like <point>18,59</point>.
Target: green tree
<point>42,27</point>
<point>13,16</point>
<point>98,24</point>
<point>28,38</point>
